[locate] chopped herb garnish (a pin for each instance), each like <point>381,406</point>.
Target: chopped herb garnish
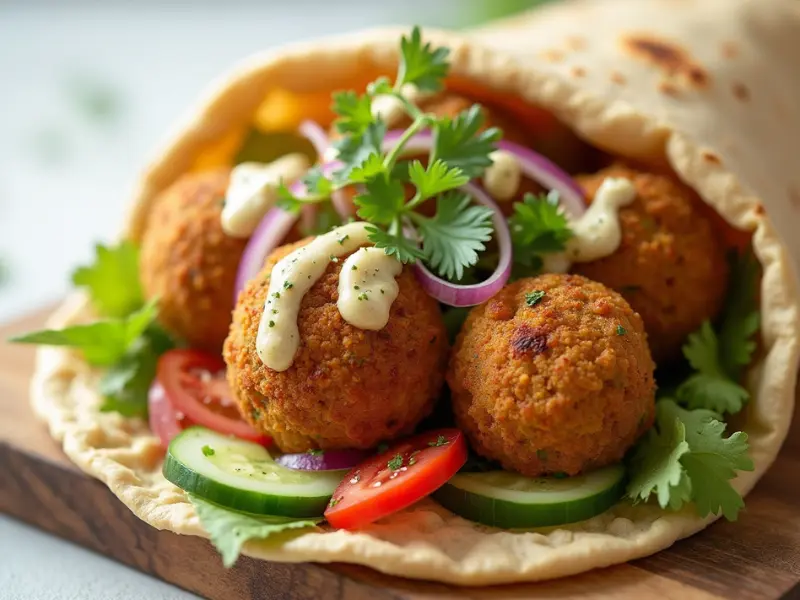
<point>208,450</point>
<point>395,462</point>
<point>342,240</point>
<point>276,295</point>
<point>272,323</point>
<point>356,287</point>
<point>621,330</point>
<point>354,268</point>
<point>333,259</point>
<point>363,296</point>
<point>316,452</point>
<point>287,285</point>
<point>334,502</point>
<point>439,441</point>
<point>412,461</point>
<point>533,298</point>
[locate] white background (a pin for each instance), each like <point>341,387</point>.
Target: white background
<point>66,168</point>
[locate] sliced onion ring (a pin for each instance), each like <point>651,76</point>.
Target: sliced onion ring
<point>268,235</point>
<point>454,294</point>
<point>314,133</point>
<point>534,166</point>
<point>321,142</point>
<point>329,460</point>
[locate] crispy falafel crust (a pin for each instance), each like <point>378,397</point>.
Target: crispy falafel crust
<point>347,387</point>
<point>670,265</point>
<point>564,385</point>
<point>189,263</point>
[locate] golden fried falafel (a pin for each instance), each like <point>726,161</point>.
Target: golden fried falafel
<point>670,265</point>
<point>189,263</point>
<point>553,375</point>
<point>347,387</point>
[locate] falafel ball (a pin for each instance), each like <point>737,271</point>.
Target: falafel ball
<point>553,375</point>
<point>347,387</point>
<point>188,261</point>
<point>670,265</point>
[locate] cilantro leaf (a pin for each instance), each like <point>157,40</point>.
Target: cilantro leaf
<point>740,320</point>
<point>420,64</point>
<point>686,458</point>
<point>537,227</point>
<point>453,238</point>
<point>316,183</point>
<point>354,110</point>
<point>103,343</point>
<point>656,467</point>
<point>437,178</point>
<point>125,385</point>
<point>369,169</point>
<point>710,387</point>
<point>229,530</point>
<point>325,219</point>
<point>459,143</point>
<point>405,250</point>
<point>112,280</point>
<point>287,200</point>
<point>383,200</point>
<point>354,150</point>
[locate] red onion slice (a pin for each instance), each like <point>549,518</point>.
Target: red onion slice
<point>329,460</point>
<point>321,142</point>
<point>314,133</point>
<point>454,294</point>
<point>268,235</point>
<point>534,166</point>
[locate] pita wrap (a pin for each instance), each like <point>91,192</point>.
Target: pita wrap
<point>707,87</point>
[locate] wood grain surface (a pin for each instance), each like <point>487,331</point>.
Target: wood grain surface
<point>757,557</point>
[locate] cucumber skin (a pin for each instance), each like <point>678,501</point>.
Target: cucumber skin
<point>242,500</point>
<point>513,515</point>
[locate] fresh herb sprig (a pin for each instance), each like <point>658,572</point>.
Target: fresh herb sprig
<point>685,456</point>
<point>450,241</point>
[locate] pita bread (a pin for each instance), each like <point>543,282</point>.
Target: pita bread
<point>718,107</point>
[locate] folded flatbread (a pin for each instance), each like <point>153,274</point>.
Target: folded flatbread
<point>708,87</point>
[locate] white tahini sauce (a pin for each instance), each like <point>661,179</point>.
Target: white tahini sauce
<point>503,177</point>
<point>597,233</point>
<point>253,190</point>
<point>278,336</point>
<point>367,288</point>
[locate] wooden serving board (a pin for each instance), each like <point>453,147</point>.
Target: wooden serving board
<point>757,557</point>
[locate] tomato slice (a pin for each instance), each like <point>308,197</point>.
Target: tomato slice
<point>397,478</point>
<point>195,385</point>
<point>164,420</point>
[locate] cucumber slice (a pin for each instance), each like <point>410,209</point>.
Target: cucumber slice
<point>242,475</point>
<point>503,499</point>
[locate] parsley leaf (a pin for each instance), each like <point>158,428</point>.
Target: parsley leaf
<point>354,150</point>
<point>420,64</point>
<point>369,169</point>
<point>354,110</point>
<point>229,530</point>
<point>453,238</point>
<point>112,280</point>
<point>538,226</point>
<point>533,298</point>
<point>437,178</point>
<point>395,462</point>
<point>740,320</point>
<point>125,385</point>
<point>399,246</point>
<point>439,441</point>
<point>383,200</point>
<point>103,343</point>
<point>686,458</point>
<point>710,387</point>
<point>459,143</point>
<point>316,183</point>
